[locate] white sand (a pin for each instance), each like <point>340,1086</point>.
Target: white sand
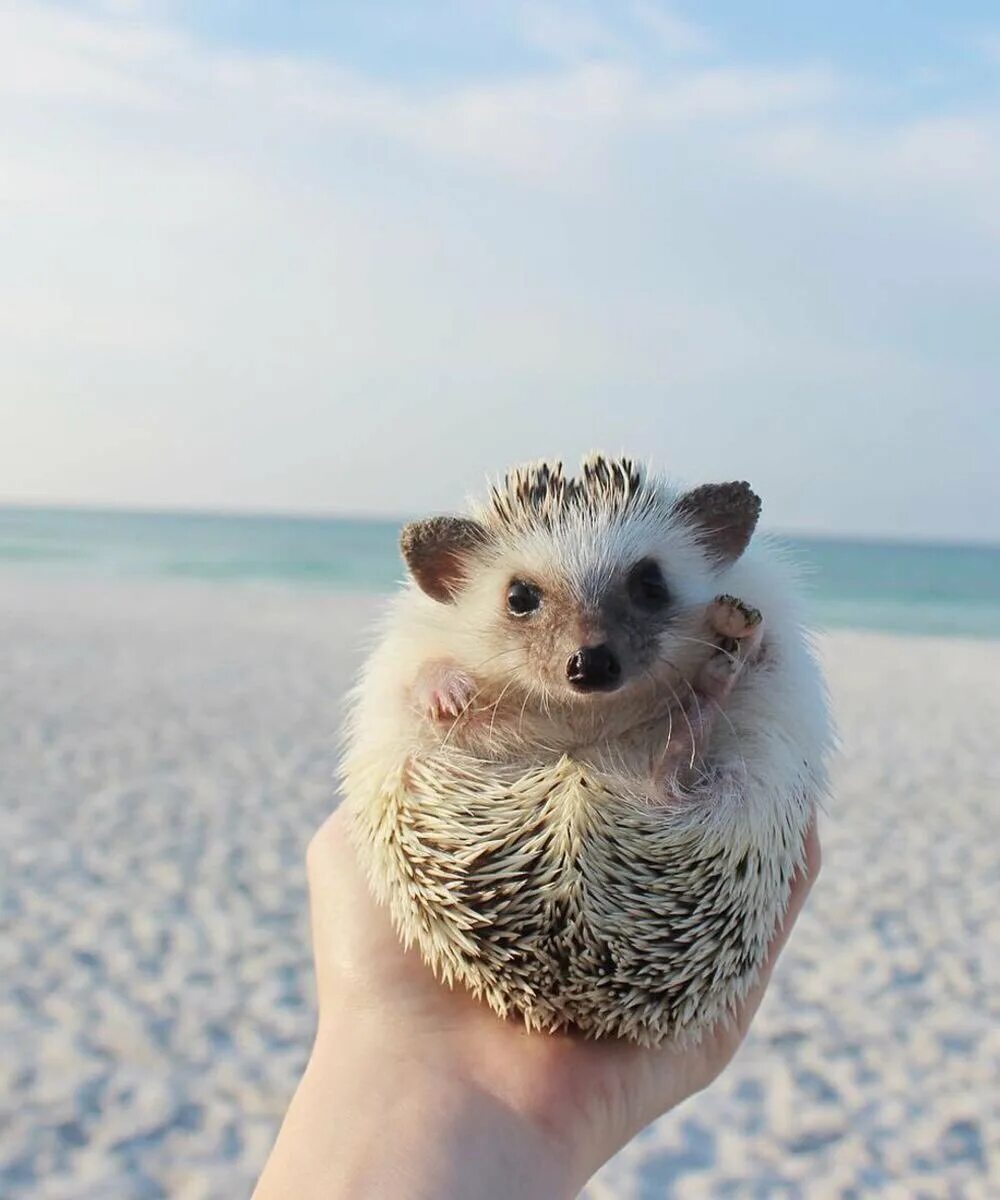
<point>165,753</point>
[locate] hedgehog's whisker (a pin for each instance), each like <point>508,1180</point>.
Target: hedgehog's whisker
<point>722,711</point>
<point>496,705</point>
<point>471,701</point>
<point>524,705</point>
<point>697,700</point>
<point>683,712</point>
<point>493,657</point>
<point>661,757</point>
<point>696,641</point>
<point>733,731</point>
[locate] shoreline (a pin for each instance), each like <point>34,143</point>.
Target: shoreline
<point>31,584</point>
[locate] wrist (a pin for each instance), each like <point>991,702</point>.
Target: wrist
<point>410,1122</point>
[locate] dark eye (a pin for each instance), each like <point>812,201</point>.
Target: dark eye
<point>522,598</point>
<point>646,585</point>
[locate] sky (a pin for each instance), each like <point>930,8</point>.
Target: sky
<point>341,257</point>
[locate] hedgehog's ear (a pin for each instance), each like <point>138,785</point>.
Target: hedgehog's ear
<point>724,515</point>
<point>437,552</point>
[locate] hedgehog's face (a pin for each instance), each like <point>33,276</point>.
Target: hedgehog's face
<point>580,634</point>
<point>581,609</point>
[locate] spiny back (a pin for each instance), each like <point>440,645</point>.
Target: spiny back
<point>541,494</point>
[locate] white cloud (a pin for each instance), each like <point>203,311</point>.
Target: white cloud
<point>270,280</point>
<point>49,54</point>
<point>580,32</point>
<point>540,125</point>
<point>946,167</point>
<point>567,34</point>
<point>672,33</point>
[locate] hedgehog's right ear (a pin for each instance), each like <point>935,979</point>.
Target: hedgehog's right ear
<point>437,551</point>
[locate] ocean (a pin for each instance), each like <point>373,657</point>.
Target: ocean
<point>900,587</point>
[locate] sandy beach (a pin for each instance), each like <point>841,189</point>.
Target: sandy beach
<point>166,752</point>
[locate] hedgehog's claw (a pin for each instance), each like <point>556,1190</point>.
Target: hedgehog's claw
<point>718,676</point>
<point>730,617</point>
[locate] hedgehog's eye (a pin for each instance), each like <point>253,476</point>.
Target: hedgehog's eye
<point>522,598</point>
<point>646,585</point>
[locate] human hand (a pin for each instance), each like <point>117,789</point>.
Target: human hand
<point>494,1110</point>
<point>414,1089</point>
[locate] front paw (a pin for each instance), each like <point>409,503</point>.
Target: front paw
<point>731,617</point>
<point>739,633</point>
<point>443,691</point>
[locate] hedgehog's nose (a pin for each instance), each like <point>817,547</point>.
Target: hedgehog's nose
<point>594,669</point>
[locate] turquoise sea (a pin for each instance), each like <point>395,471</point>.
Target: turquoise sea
<point>900,587</point>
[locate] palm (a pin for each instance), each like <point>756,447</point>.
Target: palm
<point>611,1089</point>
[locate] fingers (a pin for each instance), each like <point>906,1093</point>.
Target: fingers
<point>348,928</point>
<point>329,868</point>
<point>326,847</point>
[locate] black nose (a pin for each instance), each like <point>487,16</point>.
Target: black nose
<point>594,669</point>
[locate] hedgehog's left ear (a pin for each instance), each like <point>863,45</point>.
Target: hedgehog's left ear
<point>437,553</point>
<point>725,516</point>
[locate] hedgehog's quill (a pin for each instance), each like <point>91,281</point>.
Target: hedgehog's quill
<point>545,789</point>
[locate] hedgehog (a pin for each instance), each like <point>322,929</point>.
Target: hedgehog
<point>545,791</point>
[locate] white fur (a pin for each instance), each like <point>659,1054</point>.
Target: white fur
<point>764,771</point>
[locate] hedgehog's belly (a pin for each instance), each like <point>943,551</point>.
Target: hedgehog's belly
<point>551,895</point>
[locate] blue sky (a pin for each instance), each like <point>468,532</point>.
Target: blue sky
<point>354,257</point>
<point>464,37</point>
<point>915,53</point>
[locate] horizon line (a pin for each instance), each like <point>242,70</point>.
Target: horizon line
<point>210,513</point>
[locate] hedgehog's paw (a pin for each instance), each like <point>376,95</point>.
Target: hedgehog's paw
<point>730,617</point>
<point>442,691</point>
<point>718,676</point>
